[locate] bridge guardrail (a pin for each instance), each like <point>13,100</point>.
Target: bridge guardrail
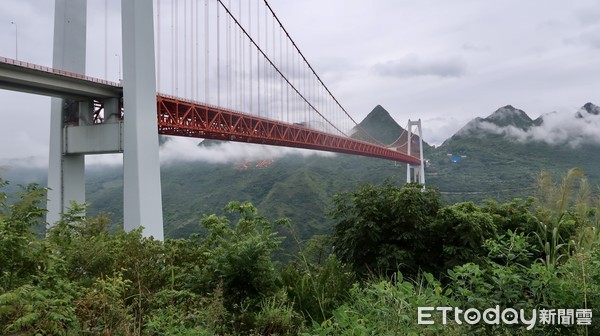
<point>38,67</point>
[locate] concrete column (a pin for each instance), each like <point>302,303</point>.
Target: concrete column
<point>422,168</point>
<point>65,173</point>
<point>141,184</point>
<point>111,110</point>
<point>408,150</point>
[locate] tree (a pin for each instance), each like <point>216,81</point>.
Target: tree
<point>387,229</point>
<point>239,258</point>
<point>18,243</point>
<point>465,228</point>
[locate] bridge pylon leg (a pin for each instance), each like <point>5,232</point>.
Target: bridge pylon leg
<point>66,172</point>
<point>141,183</point>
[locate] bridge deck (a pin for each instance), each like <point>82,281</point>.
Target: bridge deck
<point>37,79</point>
<point>191,119</point>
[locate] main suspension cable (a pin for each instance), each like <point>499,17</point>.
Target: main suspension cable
<point>317,76</point>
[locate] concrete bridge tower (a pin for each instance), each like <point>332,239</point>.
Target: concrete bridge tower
<point>73,133</point>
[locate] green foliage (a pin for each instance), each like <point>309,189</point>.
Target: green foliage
<point>509,279</point>
<point>382,230</point>
<point>510,248</point>
<point>103,308</point>
<point>37,309</point>
<point>463,227</point>
<point>277,316</point>
<point>239,258</point>
<point>567,220</point>
<point>389,308</point>
<point>515,215</point>
<point>181,312</point>
<point>18,243</point>
<point>84,279</point>
<point>317,289</point>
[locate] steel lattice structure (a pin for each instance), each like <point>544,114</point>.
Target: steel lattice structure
<point>192,119</point>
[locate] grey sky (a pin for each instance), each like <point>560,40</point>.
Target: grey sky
<point>445,62</point>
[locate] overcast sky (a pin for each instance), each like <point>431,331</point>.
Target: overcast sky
<point>445,62</point>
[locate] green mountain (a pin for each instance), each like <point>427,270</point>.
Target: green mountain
<point>501,156</point>
<point>380,124</point>
<point>296,187</point>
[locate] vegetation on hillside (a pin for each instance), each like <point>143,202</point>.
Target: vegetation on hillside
<point>393,249</point>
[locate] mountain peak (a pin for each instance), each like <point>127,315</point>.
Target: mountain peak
<point>378,114</point>
<point>380,124</point>
<point>591,109</point>
<point>495,123</point>
<point>509,116</point>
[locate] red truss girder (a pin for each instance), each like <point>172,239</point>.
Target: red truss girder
<point>190,119</point>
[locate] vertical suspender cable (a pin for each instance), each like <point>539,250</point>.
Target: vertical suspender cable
<point>258,56</point>
<point>106,39</point>
<point>274,86</point>
<point>218,58</point>
<point>173,47</point>
<point>229,88</point>
<point>304,91</point>
<point>185,46</point>
<point>287,69</point>
<point>267,101</point>
<point>241,60</point>
<point>158,49</point>
<point>206,54</point>
<point>315,74</point>
<point>242,65</point>
<point>193,39</point>
<point>235,69</point>
<point>176,48</point>
<point>197,44</point>
<point>250,53</point>
<point>280,81</point>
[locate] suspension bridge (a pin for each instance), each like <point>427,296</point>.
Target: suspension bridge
<point>205,69</point>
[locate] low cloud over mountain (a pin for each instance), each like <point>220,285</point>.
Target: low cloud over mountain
<point>574,130</point>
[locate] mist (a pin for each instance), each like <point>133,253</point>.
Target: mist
<point>179,149</point>
<point>574,130</point>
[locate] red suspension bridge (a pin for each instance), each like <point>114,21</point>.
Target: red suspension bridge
<point>255,84</point>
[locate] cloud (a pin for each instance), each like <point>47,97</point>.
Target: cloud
<point>476,47</point>
<point>557,129</point>
<point>30,162</point>
<point>589,38</point>
<point>437,129</point>
<point>588,15</point>
<point>414,66</point>
<point>179,149</point>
